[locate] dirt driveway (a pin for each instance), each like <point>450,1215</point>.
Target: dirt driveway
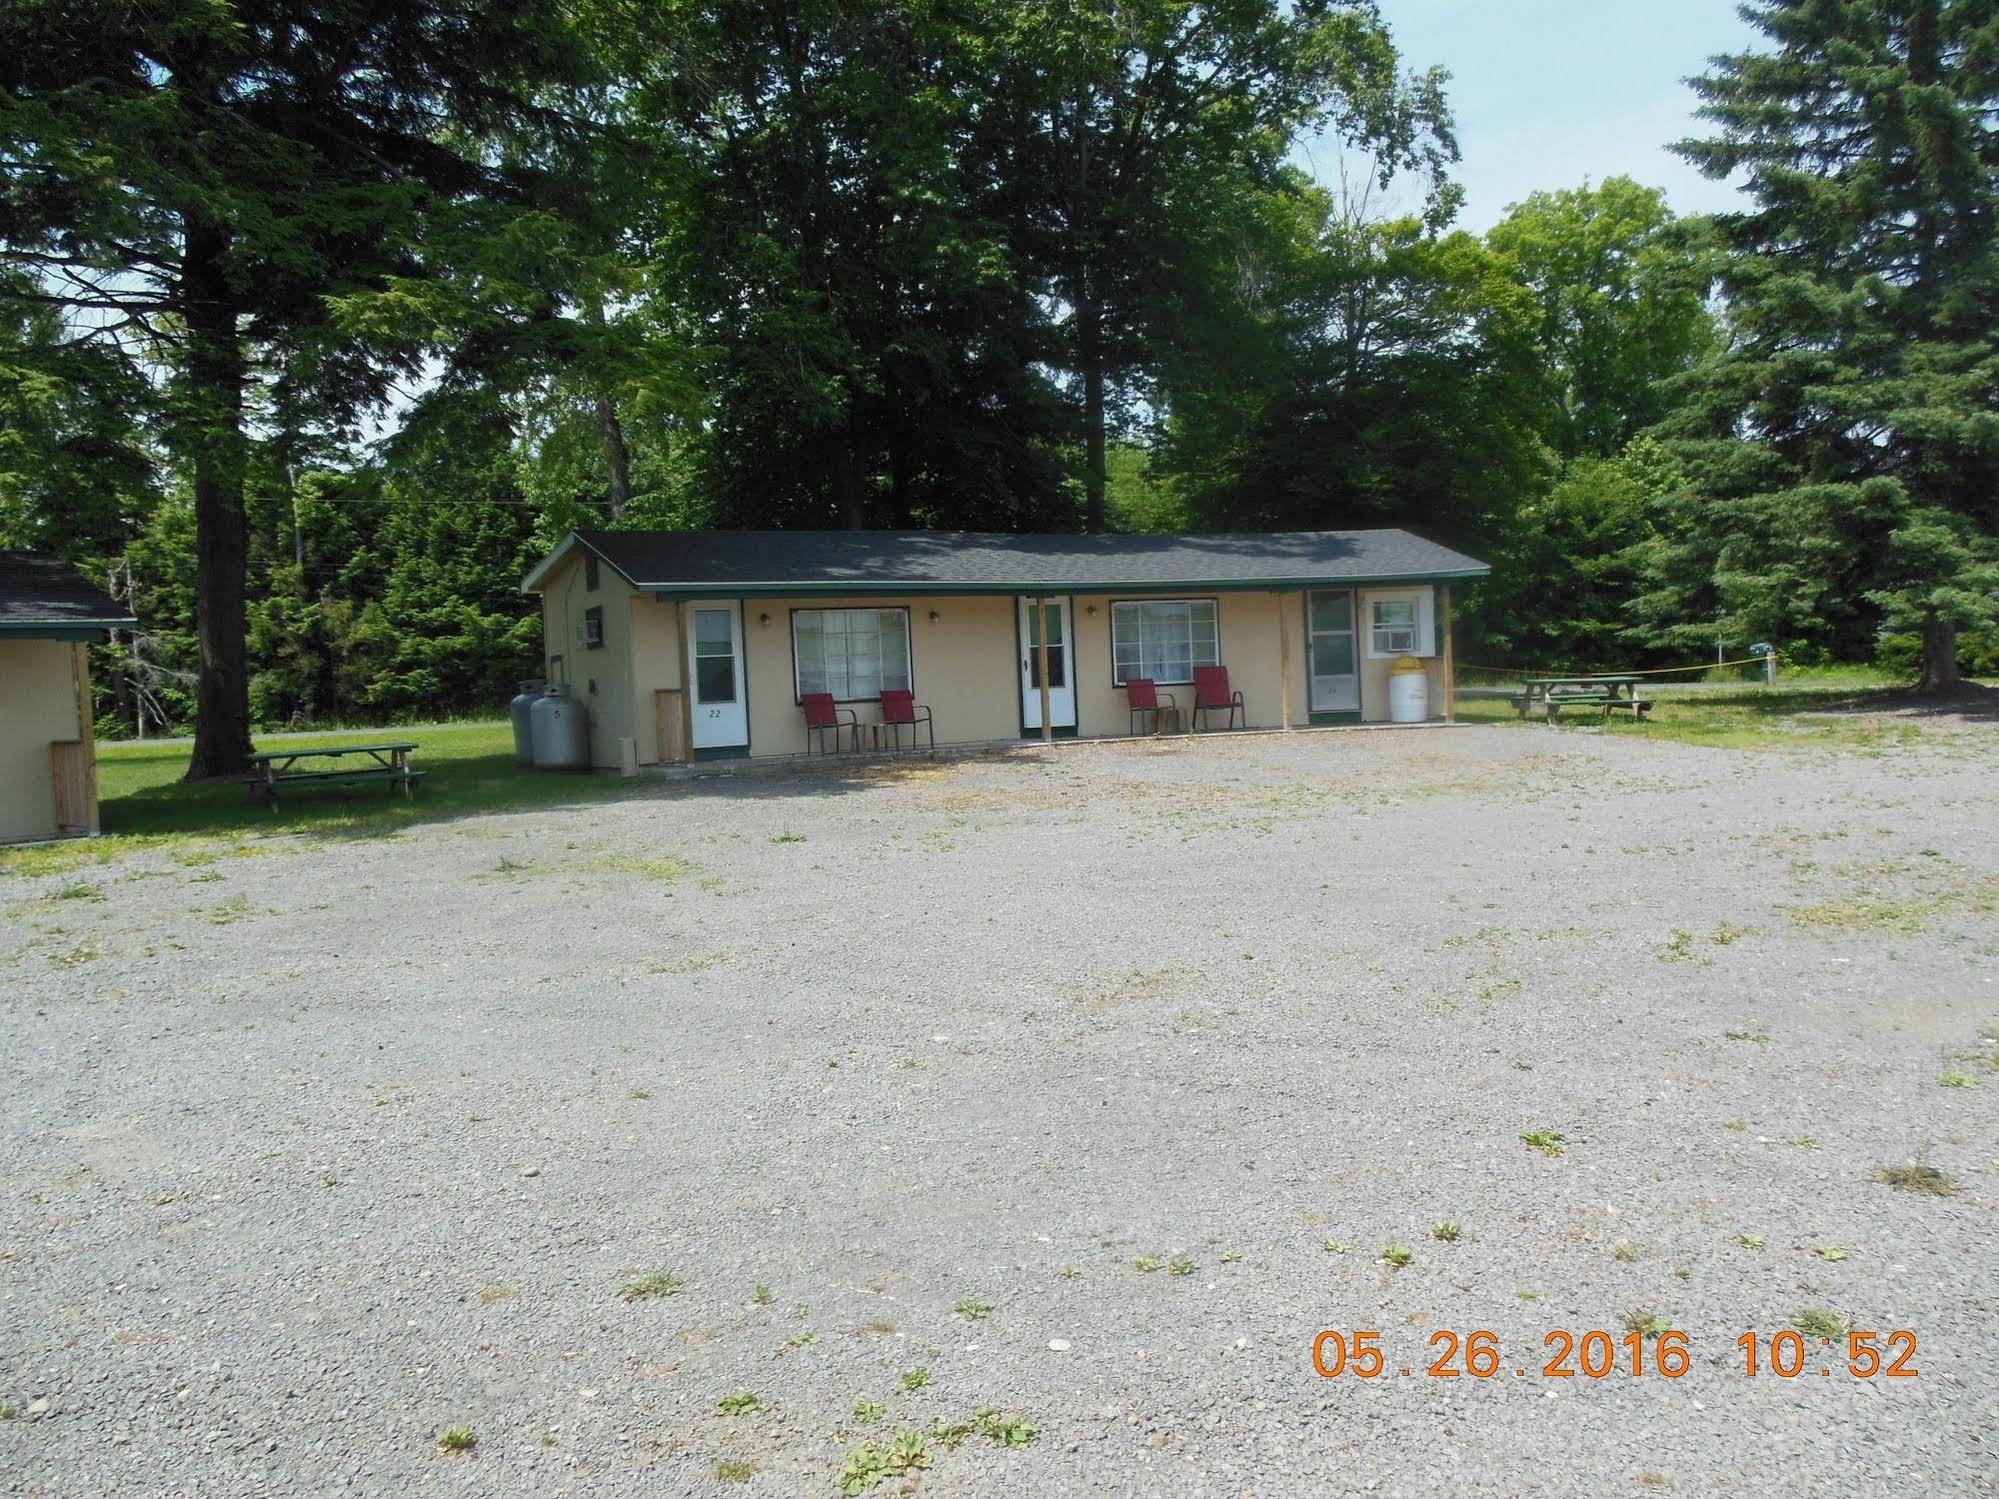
<point>1041,1110</point>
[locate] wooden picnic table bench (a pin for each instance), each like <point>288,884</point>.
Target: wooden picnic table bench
<point>375,764</point>
<point>1606,692</point>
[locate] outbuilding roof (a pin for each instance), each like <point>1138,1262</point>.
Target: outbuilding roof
<point>45,596</point>
<point>803,563</point>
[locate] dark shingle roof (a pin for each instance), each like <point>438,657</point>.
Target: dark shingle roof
<point>971,561</point>
<point>38,591</point>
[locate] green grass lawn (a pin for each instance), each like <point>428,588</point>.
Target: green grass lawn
<point>143,799</point>
<point>1780,717</point>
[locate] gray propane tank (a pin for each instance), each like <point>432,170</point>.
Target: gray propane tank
<point>561,731</point>
<point>520,710</point>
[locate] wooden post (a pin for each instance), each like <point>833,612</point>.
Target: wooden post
<point>1040,618</point>
<point>686,671</point>
<point>1284,660</point>
<point>86,730</point>
<point>1450,664</point>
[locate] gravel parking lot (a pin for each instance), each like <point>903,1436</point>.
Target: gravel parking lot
<point>1075,1092</point>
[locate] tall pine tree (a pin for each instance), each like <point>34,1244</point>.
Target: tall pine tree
<point>220,181</point>
<point>1844,450</point>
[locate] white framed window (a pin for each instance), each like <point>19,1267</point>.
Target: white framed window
<point>851,653</point>
<point>1164,639</point>
<point>1400,622</point>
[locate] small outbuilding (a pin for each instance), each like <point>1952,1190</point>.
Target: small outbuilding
<point>710,644</point>
<point>49,615</point>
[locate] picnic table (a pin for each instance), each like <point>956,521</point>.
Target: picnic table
<point>386,764</point>
<point>1607,692</point>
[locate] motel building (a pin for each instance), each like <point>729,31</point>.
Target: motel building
<point>700,645</point>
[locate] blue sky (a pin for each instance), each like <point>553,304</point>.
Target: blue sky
<point>1549,92</point>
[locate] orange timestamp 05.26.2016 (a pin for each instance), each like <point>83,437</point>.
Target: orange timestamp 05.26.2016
<point>1597,1354</point>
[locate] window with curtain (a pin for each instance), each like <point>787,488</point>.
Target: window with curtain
<point>1164,639</point>
<point>851,653</point>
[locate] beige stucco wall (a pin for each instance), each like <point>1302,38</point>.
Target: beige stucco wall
<point>963,667</point>
<point>599,678</point>
<point>966,663</point>
<point>656,666</point>
<point>37,707</point>
<point>1250,639</point>
<point>1374,670</point>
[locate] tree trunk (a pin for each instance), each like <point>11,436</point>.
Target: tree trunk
<point>847,485</point>
<point>214,423</point>
<point>1940,657</point>
<point>1090,357</point>
<point>617,457</point>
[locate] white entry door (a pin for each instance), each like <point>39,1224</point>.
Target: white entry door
<point>1054,618</point>
<point>715,676</point>
<point>1330,623</point>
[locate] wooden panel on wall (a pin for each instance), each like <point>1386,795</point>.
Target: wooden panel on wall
<point>69,775</point>
<point>671,720</point>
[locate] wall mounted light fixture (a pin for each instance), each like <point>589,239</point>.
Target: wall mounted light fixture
<point>935,616</point>
<point>1091,611</point>
<point>763,619</point>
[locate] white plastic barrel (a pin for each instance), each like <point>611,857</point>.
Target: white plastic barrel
<point>1408,691</point>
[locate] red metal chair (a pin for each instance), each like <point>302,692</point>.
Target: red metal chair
<point>822,716</point>
<point>900,708</point>
<point>1146,697</point>
<point>1212,695</point>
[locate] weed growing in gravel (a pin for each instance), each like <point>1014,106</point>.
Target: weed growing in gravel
<point>762,1296</point>
<point>1803,1142</point>
<point>1228,1257</point>
<point>1683,1273</point>
<point>1446,1232</point>
<point>1335,1246</point>
<point>1757,1034</point>
<point>867,1412</point>
<point>733,1470</point>
<point>653,1283</point>
<point>868,1465</point>
<point>491,1294</point>
<point>83,952</point>
<point>1926,1179</point>
<point>1181,1267</point>
<point>1750,1241</point>
<point>789,837</point>
<point>1007,1431</point>
<point>915,1379</point>
<point>1645,1322</point>
<point>79,892</point>
<point>1068,1272</point>
<point>881,1328</point>
<point>1624,1251</point>
<point>640,1094</point>
<point>1832,1254</point>
<point>1735,1124</point>
<point>1817,1322</point>
<point>1679,947</point>
<point>740,1403</point>
<point>1144,1262</point>
<point>802,1340</point>
<point>1526,1295</point>
<point>1956,1080</point>
<point>973,1310</point>
<point>1395,1256</point>
<point>457,1439</point>
<point>1547,1141</point>
<point>666,871</point>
